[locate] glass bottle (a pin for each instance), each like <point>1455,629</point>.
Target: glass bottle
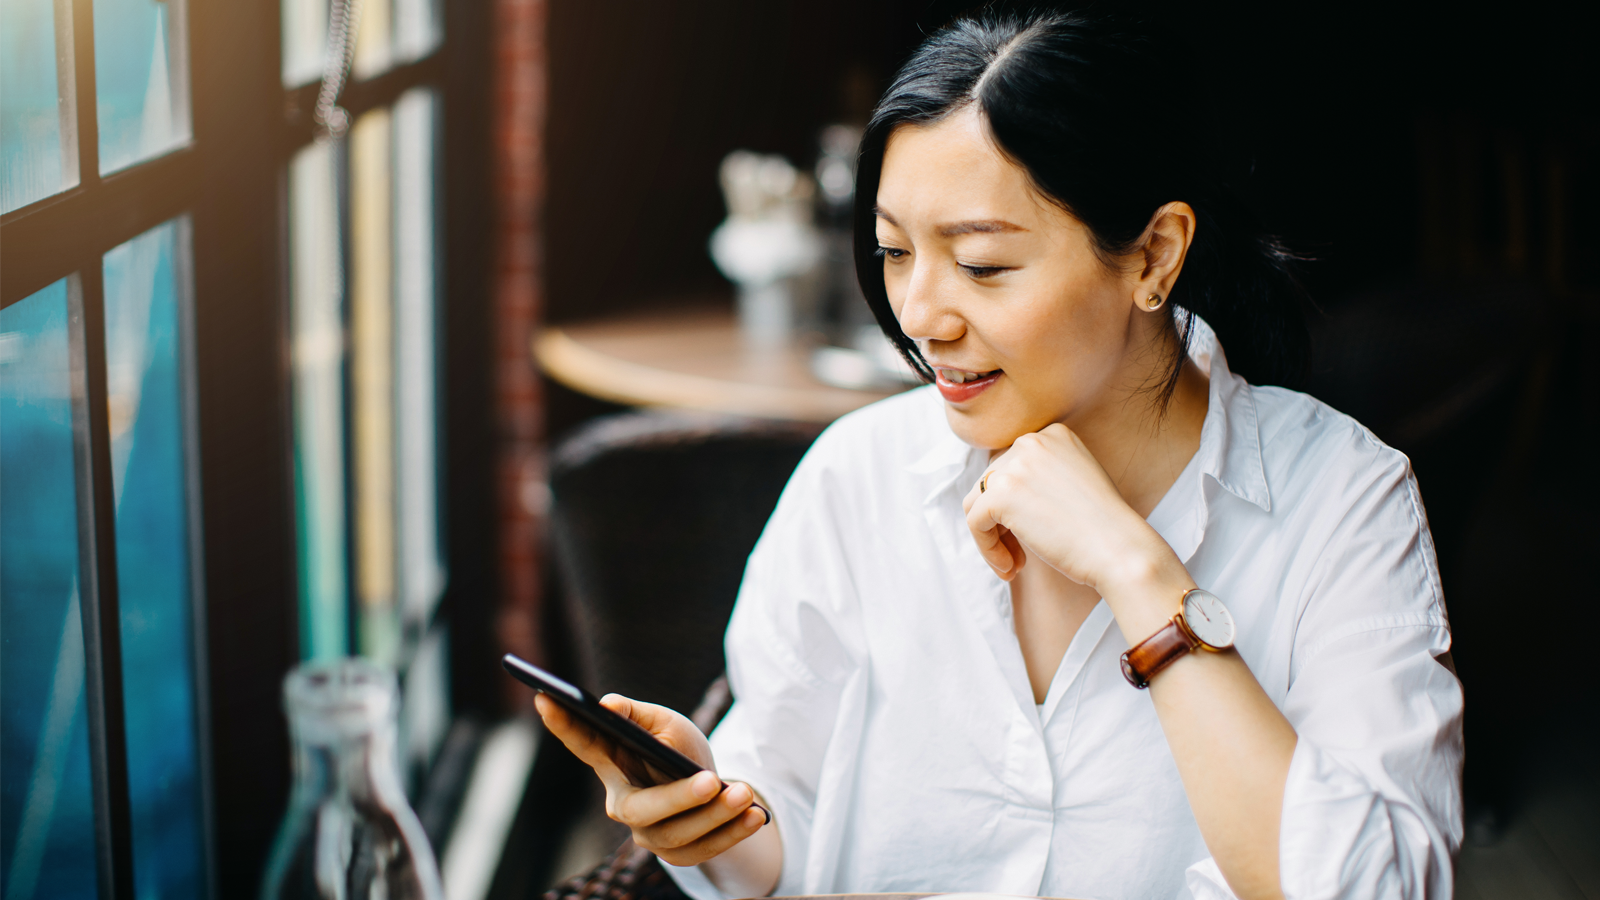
<point>349,833</point>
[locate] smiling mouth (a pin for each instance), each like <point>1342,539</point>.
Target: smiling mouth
<point>958,386</point>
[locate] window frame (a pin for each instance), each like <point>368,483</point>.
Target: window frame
<point>228,183</point>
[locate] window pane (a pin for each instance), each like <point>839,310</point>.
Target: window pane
<point>425,716</point>
<point>369,513</point>
<point>35,103</point>
<point>372,382</point>
<point>46,810</point>
<point>416,28</point>
<point>422,575</point>
<point>316,325</point>
<point>394,32</point>
<point>374,39</point>
<point>141,79</point>
<point>399,575</point>
<point>145,399</point>
<point>305,34</point>
<point>390,32</point>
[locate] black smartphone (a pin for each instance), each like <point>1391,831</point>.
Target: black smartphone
<point>643,758</point>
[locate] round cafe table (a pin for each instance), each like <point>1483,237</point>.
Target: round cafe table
<point>692,357</point>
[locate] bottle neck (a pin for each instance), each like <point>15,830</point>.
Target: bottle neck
<point>360,767</point>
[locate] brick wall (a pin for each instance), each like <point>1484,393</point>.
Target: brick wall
<point>520,102</point>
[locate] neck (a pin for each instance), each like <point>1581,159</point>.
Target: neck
<point>1142,445</point>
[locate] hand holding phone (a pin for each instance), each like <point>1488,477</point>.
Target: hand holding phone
<point>644,760</point>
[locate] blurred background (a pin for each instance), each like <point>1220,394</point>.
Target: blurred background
<point>472,375</point>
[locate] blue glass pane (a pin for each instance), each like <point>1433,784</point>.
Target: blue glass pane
<point>141,80</point>
<point>31,164</point>
<point>46,810</point>
<point>145,400</point>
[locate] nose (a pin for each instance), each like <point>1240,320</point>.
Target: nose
<point>925,313</point>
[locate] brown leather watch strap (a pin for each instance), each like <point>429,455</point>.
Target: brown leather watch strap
<point>1156,652</point>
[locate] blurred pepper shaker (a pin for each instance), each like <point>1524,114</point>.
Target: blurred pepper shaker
<point>349,833</point>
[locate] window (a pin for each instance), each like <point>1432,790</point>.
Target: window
<point>362,315</point>
<point>103,745</point>
<point>38,130</point>
<point>221,365</point>
<point>46,806</point>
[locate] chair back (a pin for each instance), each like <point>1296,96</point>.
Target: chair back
<point>653,515</point>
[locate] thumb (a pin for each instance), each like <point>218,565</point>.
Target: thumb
<point>1019,556</point>
<point>652,718</point>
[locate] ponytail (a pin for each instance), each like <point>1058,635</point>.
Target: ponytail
<point>1244,284</point>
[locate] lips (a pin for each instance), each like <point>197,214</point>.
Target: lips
<point>959,385</point>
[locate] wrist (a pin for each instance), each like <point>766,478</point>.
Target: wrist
<point>1146,591</point>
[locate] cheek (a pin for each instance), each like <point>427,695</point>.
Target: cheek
<point>894,285</point>
<point>1042,333</point>
<point>1062,347</point>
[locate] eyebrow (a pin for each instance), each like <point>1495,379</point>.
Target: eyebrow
<point>977,226</point>
<point>982,226</point>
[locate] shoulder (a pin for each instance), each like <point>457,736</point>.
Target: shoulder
<point>886,436</point>
<point>857,477</point>
<point>1356,533</point>
<point>1308,446</point>
<point>1352,497</point>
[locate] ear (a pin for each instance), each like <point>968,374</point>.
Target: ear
<point>1166,244</point>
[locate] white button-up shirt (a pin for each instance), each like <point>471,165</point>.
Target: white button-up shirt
<point>884,711</point>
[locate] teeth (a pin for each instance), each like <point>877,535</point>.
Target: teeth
<point>956,376</point>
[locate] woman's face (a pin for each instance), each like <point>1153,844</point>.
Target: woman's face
<point>1001,289</point>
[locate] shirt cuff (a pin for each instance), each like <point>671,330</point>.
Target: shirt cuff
<point>1336,838</point>
<point>693,882</point>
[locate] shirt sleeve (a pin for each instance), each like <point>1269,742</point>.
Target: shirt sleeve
<point>795,668</point>
<point>1372,805</point>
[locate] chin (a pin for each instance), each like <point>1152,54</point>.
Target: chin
<point>984,432</point>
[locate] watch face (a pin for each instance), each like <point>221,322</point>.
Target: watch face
<point>1208,619</point>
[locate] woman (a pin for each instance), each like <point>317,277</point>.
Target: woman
<point>939,645</point>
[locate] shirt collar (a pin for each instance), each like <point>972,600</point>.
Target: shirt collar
<point>1230,438</point>
<point>947,456</point>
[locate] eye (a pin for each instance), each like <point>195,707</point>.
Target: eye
<point>889,252</point>
<point>984,271</point>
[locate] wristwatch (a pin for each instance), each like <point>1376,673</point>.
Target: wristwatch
<point>1202,621</point>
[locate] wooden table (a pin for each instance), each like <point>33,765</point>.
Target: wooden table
<point>695,359</point>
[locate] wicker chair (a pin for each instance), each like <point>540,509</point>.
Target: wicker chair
<point>653,515</point>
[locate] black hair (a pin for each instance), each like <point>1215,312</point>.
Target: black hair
<point>1061,94</point>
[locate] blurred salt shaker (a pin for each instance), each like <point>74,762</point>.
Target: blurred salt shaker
<point>767,246</point>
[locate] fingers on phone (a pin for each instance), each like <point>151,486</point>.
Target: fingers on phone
<point>689,826</point>
<point>724,837</point>
<point>649,806</point>
<point>696,836</point>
